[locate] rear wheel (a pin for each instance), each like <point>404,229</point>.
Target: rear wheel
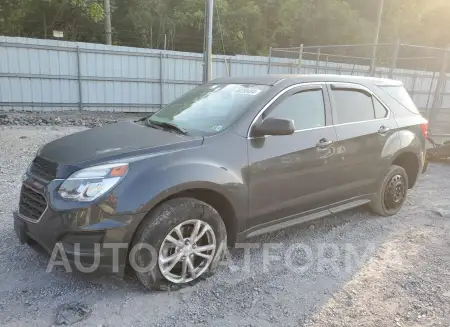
<point>391,193</point>
<point>180,243</point>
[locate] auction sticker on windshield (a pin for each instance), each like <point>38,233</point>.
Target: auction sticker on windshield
<point>246,90</point>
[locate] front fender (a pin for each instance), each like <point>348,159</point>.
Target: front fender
<point>187,176</point>
<point>151,182</point>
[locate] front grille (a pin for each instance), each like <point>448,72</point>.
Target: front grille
<point>43,169</point>
<point>32,204</point>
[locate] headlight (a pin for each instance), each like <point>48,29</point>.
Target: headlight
<point>90,183</point>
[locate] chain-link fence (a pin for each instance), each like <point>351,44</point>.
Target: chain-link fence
<point>423,71</point>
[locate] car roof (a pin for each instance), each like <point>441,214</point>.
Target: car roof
<point>294,79</point>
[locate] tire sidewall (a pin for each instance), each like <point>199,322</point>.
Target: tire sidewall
<point>394,170</point>
<point>159,223</point>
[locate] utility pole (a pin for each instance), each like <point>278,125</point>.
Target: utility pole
<point>108,22</point>
<point>207,56</point>
<point>376,37</point>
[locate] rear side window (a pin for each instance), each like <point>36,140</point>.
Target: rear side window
<point>306,109</point>
<point>401,96</point>
<point>353,106</point>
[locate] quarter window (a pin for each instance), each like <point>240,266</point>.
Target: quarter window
<point>401,96</point>
<point>306,109</point>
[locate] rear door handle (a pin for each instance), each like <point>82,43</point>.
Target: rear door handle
<point>383,130</point>
<point>323,143</point>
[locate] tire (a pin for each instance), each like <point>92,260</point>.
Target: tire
<point>425,167</point>
<point>381,204</point>
<point>159,224</point>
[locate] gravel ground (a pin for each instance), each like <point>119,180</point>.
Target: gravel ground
<point>401,279</point>
<point>64,118</point>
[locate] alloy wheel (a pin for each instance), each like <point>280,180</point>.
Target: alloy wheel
<point>187,251</point>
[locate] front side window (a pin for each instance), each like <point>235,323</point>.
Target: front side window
<point>209,108</point>
<point>306,109</point>
<point>353,106</point>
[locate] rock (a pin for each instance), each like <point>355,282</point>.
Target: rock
<point>72,312</point>
<point>444,213</point>
<point>3,116</point>
<point>23,137</point>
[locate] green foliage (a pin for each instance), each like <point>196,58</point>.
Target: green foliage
<point>240,26</point>
<point>79,19</point>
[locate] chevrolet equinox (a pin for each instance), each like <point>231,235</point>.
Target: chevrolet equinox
<point>229,160</point>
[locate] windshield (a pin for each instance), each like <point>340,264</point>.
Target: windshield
<point>209,108</point>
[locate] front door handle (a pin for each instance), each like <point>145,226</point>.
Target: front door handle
<point>383,130</point>
<point>323,143</point>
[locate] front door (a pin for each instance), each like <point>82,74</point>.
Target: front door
<point>294,173</point>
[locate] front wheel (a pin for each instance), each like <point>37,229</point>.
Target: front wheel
<point>391,193</point>
<point>179,243</point>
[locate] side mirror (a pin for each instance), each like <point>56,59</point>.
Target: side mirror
<point>274,126</point>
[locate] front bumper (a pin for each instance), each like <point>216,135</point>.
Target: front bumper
<point>85,234</point>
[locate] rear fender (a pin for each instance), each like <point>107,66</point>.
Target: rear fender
<point>411,143</point>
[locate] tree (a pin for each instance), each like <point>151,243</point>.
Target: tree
<point>79,19</point>
<point>240,26</point>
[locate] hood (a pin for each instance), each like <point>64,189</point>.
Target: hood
<point>111,142</point>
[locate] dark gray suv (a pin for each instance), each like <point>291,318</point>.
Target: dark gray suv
<point>231,159</point>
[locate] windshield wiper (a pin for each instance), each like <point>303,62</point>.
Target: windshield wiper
<point>168,125</point>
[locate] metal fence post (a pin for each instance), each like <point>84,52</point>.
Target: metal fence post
<point>300,58</point>
<point>394,58</point>
<point>413,88</point>
<point>226,67</point>
<point>440,87</point>
<point>430,91</point>
<point>270,60</point>
<point>373,63</point>
<point>80,91</point>
<point>161,79</point>
<point>318,60</point>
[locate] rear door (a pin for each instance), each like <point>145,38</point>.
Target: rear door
<point>293,173</point>
<point>363,126</point>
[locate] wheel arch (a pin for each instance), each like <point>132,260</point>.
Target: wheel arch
<point>207,193</point>
<point>219,202</point>
<point>409,161</point>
